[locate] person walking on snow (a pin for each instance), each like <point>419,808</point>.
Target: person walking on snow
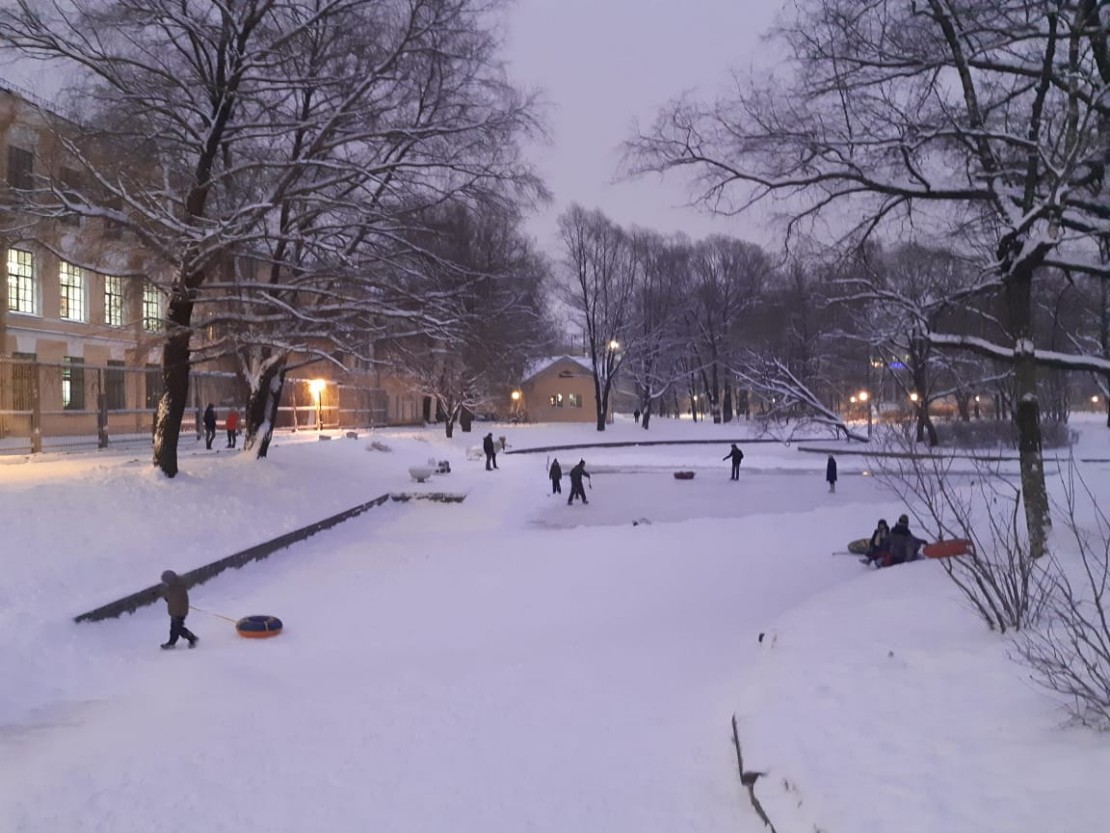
<point>556,475</point>
<point>491,451</point>
<point>209,425</point>
<point>172,589</point>
<point>576,475</point>
<point>830,474</point>
<point>736,455</point>
<point>231,422</point>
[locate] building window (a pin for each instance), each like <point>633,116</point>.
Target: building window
<point>23,381</point>
<point>21,168</point>
<point>115,398</point>
<point>556,400</point>
<point>575,400</point>
<point>73,384</point>
<point>22,288</point>
<point>113,301</point>
<point>71,282</point>
<point>152,308</point>
<point>153,386</point>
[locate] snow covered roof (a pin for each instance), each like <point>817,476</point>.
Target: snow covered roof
<point>541,365</point>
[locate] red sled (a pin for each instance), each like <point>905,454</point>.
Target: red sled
<point>949,548</point>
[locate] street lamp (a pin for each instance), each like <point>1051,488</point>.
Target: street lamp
<point>316,388</point>
<point>614,345</point>
<point>865,398</point>
<point>914,397</point>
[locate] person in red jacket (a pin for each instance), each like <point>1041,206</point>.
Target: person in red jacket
<point>232,425</point>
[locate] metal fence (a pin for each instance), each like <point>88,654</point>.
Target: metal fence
<point>74,406</point>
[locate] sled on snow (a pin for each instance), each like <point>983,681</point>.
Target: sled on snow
<point>947,548</point>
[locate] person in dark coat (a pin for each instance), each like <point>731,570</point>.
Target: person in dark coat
<point>173,590</point>
<point>556,475</point>
<point>576,475</point>
<point>736,455</point>
<point>209,425</point>
<point>879,545</point>
<point>903,543</point>
<point>491,451</point>
<point>830,473</point>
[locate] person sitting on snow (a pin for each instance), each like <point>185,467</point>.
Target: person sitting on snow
<point>879,545</point>
<point>903,543</point>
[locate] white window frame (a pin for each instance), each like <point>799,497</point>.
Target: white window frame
<point>73,287</point>
<point>21,271</point>
<point>114,301</point>
<point>152,308</point>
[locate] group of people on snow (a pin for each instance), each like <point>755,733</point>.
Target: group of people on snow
<point>577,472</point>
<point>231,423</point>
<point>888,546</point>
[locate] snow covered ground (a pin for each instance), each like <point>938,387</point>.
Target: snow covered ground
<point>508,663</point>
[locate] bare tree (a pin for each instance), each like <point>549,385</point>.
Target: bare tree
<point>603,269</point>
<point>264,129</point>
<point>985,122</point>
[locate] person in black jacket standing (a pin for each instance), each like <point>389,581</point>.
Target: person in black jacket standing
<point>556,475</point>
<point>736,455</point>
<point>491,451</point>
<point>209,425</point>
<point>830,473</point>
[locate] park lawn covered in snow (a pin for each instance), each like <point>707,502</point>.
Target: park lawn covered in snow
<point>509,662</point>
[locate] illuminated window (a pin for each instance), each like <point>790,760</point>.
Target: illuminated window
<point>575,400</point>
<point>556,400</point>
<point>73,384</point>
<point>152,308</point>
<point>22,287</point>
<point>71,282</point>
<point>113,301</point>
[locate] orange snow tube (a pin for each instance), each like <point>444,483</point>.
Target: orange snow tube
<point>258,627</point>
<point>949,548</point>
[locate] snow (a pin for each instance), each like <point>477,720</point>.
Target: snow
<point>509,662</point>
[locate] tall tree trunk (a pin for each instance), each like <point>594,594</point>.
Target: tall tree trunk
<point>263,401</point>
<point>1019,305</point>
<point>175,382</point>
<point>645,415</point>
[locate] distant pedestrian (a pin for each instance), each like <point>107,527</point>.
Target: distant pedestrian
<point>231,422</point>
<point>830,473</point>
<point>173,590</point>
<point>576,475</point>
<point>636,416</point>
<point>556,475</point>
<point>490,448</point>
<point>736,455</point>
<point>209,425</point>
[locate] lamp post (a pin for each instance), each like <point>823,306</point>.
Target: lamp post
<point>316,388</point>
<point>865,398</point>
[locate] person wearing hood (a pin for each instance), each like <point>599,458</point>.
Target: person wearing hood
<point>830,473</point>
<point>736,455</point>
<point>490,448</point>
<point>556,475</point>
<point>173,590</point>
<point>209,425</point>
<point>903,543</point>
<point>576,475</point>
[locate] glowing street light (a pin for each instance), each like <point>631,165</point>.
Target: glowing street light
<point>316,388</point>
<point>614,345</point>
<point>1094,400</point>
<point>515,396</point>
<point>865,398</point>
<point>914,397</point>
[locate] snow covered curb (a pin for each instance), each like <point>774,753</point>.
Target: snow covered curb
<point>884,704</point>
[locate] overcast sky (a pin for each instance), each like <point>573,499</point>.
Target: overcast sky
<point>606,64</point>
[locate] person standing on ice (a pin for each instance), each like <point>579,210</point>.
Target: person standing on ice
<point>830,473</point>
<point>491,451</point>
<point>576,475</point>
<point>556,475</point>
<point>209,425</point>
<point>173,590</point>
<point>736,455</point>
